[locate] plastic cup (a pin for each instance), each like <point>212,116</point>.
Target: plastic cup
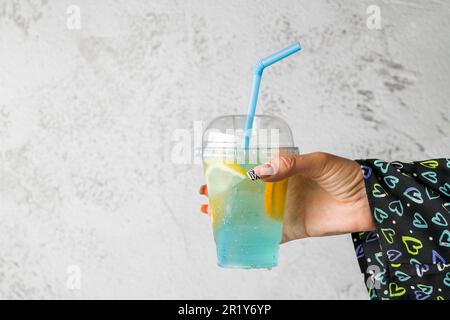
<point>246,215</point>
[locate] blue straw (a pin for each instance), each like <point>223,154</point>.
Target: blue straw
<point>257,75</point>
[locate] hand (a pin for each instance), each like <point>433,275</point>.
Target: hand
<point>326,195</point>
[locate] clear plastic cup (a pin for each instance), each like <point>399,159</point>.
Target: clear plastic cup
<point>246,215</point>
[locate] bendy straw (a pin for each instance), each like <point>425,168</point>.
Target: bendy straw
<point>257,75</point>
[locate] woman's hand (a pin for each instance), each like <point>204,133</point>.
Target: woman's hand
<point>326,195</point>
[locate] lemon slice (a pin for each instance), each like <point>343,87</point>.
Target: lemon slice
<point>275,198</point>
<point>221,176</point>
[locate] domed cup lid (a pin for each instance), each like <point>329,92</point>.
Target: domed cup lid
<point>228,132</point>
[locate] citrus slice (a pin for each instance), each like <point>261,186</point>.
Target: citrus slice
<point>274,199</point>
<point>221,176</point>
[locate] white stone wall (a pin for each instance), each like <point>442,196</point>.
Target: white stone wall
<point>87,117</point>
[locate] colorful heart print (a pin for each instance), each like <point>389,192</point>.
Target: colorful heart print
<point>430,176</point>
<point>379,258</point>
<point>380,215</point>
<point>391,181</point>
<point>445,189</point>
<point>367,171</point>
<point>446,206</point>
<point>420,295</point>
<point>447,279</point>
<point>371,236</point>
<point>413,245</point>
<point>379,277</point>
<point>425,288</point>
<point>419,221</point>
<point>393,254</point>
<point>421,269</point>
<point>359,251</point>
<point>372,294</point>
<point>397,164</point>
<point>439,220</point>
<point>438,259</point>
<point>444,239</point>
<point>408,175</point>
<point>395,290</point>
<point>411,208</point>
<point>415,262</point>
<point>431,194</point>
<point>396,207</point>
<point>432,164</point>
<point>402,276</point>
<point>384,166</point>
<point>388,234</point>
<point>413,194</point>
<point>378,191</point>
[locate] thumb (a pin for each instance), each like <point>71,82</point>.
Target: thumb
<point>310,164</point>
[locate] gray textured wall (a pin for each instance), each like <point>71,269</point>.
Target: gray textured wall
<point>87,117</point>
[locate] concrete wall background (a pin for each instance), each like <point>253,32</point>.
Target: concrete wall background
<point>87,118</point>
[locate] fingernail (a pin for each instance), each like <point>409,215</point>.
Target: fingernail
<point>203,190</point>
<point>252,175</point>
<point>264,170</point>
<point>204,208</point>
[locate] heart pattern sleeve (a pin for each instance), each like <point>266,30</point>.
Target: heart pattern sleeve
<point>407,256</point>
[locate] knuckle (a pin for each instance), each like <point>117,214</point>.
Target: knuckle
<point>322,161</point>
<point>287,164</point>
<point>322,156</point>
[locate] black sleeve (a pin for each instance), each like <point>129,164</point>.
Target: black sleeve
<point>408,255</point>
